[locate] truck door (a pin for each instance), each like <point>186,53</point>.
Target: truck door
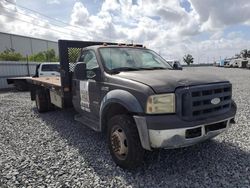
<point>87,92</point>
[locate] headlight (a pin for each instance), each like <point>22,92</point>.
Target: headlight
<point>160,104</point>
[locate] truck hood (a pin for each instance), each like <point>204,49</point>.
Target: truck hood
<point>162,81</point>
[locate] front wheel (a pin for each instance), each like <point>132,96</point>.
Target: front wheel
<point>124,142</point>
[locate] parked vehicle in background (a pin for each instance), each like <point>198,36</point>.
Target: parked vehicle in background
<point>244,63</point>
<point>42,70</point>
<point>135,98</point>
<point>240,63</point>
<point>222,63</point>
<point>239,60</point>
<point>225,62</point>
<point>175,64</point>
<point>236,63</point>
<point>48,69</point>
<point>229,64</point>
<point>248,64</point>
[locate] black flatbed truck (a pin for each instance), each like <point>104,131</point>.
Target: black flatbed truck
<point>136,98</point>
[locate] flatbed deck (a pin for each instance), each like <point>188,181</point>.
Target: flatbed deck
<point>47,81</point>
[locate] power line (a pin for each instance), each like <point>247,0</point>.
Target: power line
<point>36,18</point>
<point>43,15</point>
<point>51,18</point>
<point>41,26</point>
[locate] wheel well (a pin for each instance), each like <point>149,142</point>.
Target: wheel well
<point>110,111</point>
<point>35,88</point>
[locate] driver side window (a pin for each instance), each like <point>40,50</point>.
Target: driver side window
<point>89,58</point>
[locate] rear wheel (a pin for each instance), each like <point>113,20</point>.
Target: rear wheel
<point>42,101</point>
<point>124,142</point>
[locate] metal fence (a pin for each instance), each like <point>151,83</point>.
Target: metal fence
<point>15,69</point>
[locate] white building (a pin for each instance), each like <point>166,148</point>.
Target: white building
<point>25,45</point>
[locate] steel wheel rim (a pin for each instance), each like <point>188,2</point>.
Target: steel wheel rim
<point>119,143</point>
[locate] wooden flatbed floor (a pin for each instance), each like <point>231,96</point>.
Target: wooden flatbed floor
<point>47,81</point>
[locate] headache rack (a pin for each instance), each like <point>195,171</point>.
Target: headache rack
<point>195,102</point>
<point>69,50</point>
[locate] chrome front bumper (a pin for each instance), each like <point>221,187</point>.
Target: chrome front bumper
<point>178,137</point>
<point>182,137</point>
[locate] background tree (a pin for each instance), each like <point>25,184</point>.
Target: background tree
<point>51,55</point>
<point>39,57</point>
<point>188,59</point>
<point>45,56</point>
<point>10,55</point>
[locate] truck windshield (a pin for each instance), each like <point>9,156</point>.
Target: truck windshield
<point>131,59</point>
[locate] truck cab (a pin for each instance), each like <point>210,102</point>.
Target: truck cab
<point>137,99</point>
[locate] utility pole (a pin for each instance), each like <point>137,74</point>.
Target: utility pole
<point>27,65</point>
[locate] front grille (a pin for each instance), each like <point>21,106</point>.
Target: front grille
<point>196,101</point>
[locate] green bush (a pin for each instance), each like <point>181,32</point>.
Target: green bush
<point>45,56</point>
<point>10,55</point>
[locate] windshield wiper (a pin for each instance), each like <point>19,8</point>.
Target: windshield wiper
<point>120,69</point>
<point>154,68</point>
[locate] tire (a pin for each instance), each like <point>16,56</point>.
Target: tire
<point>42,102</point>
<point>127,151</point>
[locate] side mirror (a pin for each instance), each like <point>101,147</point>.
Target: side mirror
<point>177,66</point>
<point>94,73</point>
<point>80,71</point>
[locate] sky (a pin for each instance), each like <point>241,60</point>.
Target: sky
<point>207,29</point>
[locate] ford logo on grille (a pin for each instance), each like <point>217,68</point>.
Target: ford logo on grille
<point>215,101</point>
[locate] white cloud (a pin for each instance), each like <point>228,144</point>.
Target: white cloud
<point>19,21</point>
<point>216,14</point>
<point>235,34</point>
<point>110,5</point>
<point>162,25</point>
<point>217,35</point>
<point>53,2</point>
<point>79,15</point>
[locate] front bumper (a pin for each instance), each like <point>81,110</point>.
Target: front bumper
<point>170,132</point>
<point>176,138</point>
